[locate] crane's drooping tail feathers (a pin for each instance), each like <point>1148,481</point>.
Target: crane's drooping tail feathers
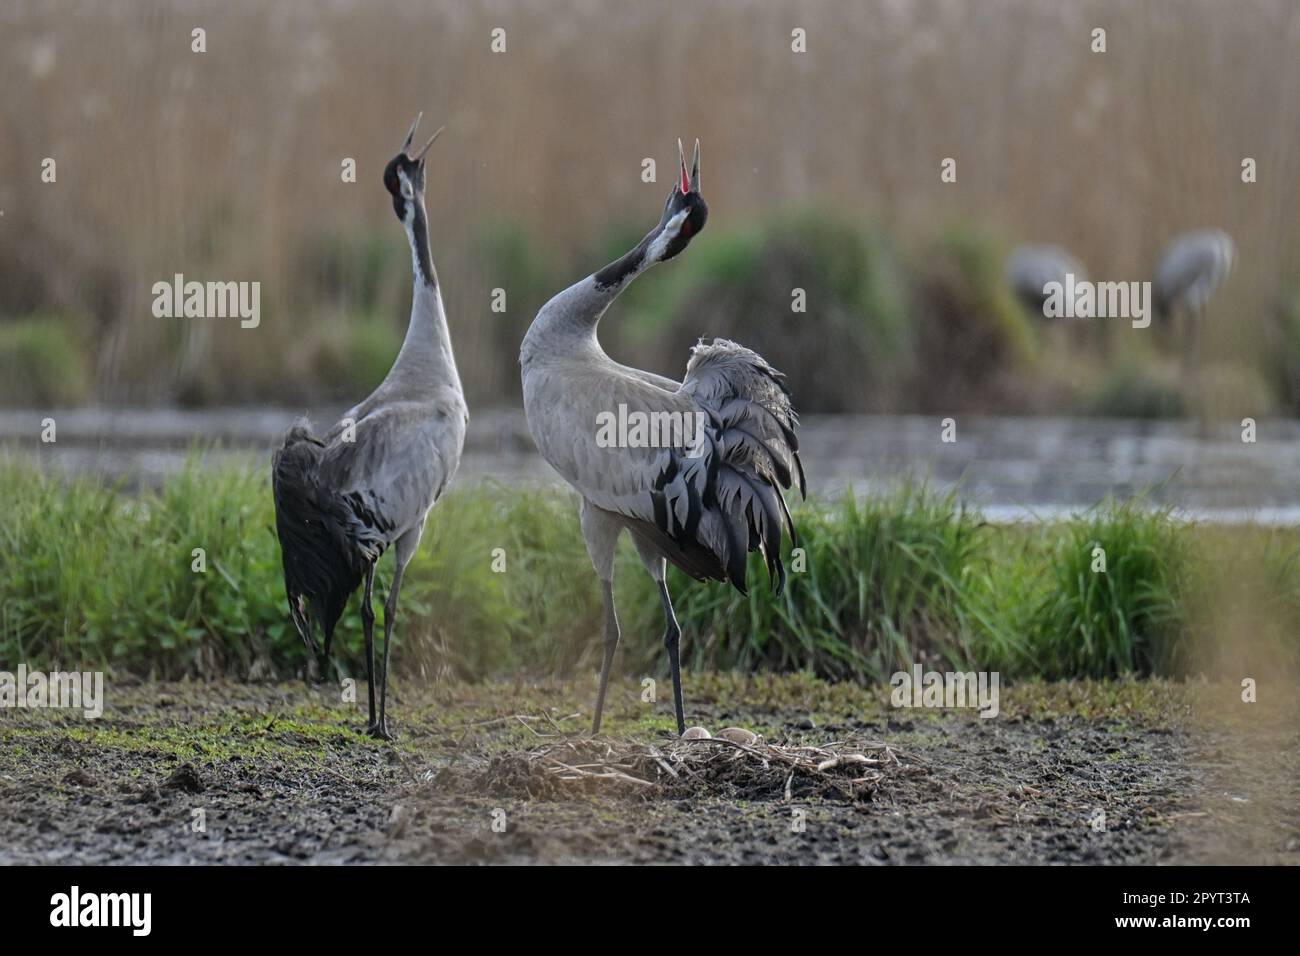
<point>718,507</point>
<point>321,566</point>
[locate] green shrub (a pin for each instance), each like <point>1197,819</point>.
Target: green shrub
<point>43,362</point>
<point>509,259</point>
<point>1136,390</point>
<point>1281,361</point>
<point>740,283</point>
<point>976,347</point>
<point>351,356</point>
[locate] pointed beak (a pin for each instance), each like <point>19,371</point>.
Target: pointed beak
<point>685,184</point>
<point>695,169</point>
<point>410,137</point>
<point>410,134</point>
<point>424,149</point>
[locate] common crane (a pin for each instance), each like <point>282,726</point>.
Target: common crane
<point>1030,268</point>
<point>1192,267</point>
<point>342,499</point>
<point>702,504</point>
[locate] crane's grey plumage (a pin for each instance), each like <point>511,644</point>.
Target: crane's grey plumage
<point>703,509</point>
<point>1191,268</point>
<point>1030,268</point>
<point>368,484</point>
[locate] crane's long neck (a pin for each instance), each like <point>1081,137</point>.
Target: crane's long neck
<point>426,361</point>
<point>572,315</point>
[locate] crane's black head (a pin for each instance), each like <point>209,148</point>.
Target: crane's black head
<point>404,174</point>
<point>685,212</point>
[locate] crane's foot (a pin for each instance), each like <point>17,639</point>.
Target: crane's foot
<point>321,673</point>
<point>379,730</point>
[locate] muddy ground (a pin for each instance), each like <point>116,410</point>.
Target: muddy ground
<point>243,773</point>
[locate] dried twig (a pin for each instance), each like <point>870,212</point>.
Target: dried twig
<point>682,768</point>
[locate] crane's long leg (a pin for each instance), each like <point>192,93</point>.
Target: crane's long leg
<point>380,730</point>
<point>368,625</point>
<point>672,637</point>
<point>1193,384</point>
<point>1198,371</point>
<point>325,655</point>
<point>403,552</point>
<point>654,563</point>
<point>611,645</point>
<point>600,530</point>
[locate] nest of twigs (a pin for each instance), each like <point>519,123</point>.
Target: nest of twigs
<point>680,768</point>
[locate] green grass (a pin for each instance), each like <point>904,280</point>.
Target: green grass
<point>1127,618</point>
<point>882,580</point>
<point>92,576</point>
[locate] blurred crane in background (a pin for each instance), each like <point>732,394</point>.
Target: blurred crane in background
<point>341,500</point>
<point>1029,269</point>
<point>1191,269</point>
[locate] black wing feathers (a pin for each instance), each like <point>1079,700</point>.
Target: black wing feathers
<point>710,512</point>
<point>327,540</point>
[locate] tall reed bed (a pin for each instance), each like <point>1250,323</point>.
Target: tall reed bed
<point>227,164</point>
